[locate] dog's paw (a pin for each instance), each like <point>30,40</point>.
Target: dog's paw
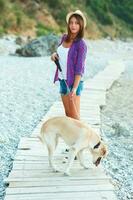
<point>65,160</point>
<point>56,170</point>
<point>67,174</point>
<point>86,167</point>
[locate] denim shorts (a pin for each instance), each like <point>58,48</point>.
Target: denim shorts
<point>64,90</point>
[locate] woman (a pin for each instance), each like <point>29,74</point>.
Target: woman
<point>71,53</point>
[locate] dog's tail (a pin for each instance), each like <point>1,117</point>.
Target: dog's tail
<point>40,138</point>
<point>40,135</point>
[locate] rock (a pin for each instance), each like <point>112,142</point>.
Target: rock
<point>21,40</point>
<point>110,38</point>
<point>120,130</point>
<point>42,46</point>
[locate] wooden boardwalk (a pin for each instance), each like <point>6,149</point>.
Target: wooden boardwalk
<point>32,179</point>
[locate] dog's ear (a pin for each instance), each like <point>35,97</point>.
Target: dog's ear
<point>104,151</point>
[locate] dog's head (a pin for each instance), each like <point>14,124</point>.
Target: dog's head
<point>99,151</point>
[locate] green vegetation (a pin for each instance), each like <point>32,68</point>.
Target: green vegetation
<point>44,30</point>
<point>112,18</point>
<point>101,10</point>
<point>116,13</point>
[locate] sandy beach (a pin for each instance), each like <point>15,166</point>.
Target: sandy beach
<point>27,91</point>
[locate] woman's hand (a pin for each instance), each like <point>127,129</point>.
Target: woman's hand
<point>54,56</point>
<point>73,93</point>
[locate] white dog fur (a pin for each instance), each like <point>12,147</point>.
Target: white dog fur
<point>77,135</point>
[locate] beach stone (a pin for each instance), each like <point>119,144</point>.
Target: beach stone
<point>21,40</point>
<point>41,46</point>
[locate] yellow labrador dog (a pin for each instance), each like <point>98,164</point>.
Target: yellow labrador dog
<point>77,135</point>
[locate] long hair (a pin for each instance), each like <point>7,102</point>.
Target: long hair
<point>81,28</point>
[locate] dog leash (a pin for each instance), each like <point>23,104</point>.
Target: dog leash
<point>59,68</point>
<point>68,89</point>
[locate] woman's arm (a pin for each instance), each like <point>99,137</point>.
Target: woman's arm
<point>79,69</point>
<point>75,85</point>
<point>76,82</point>
<point>81,57</point>
<point>54,56</point>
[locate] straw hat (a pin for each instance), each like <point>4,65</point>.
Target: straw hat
<point>77,12</point>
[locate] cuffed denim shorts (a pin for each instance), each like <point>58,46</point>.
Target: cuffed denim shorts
<point>64,90</point>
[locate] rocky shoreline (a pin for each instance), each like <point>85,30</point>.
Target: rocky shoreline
<point>117,128</point>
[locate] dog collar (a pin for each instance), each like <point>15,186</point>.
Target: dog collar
<point>97,145</point>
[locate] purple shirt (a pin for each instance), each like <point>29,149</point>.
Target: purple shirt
<point>75,60</point>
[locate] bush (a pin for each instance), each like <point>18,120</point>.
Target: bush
<point>101,11</point>
<point>52,3</point>
<point>10,21</point>
<point>19,16</point>
<point>123,9</point>
<point>2,5</point>
<point>1,31</point>
<point>43,30</point>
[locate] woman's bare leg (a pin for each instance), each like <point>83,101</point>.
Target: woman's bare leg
<point>74,106</point>
<point>71,106</point>
<point>65,101</point>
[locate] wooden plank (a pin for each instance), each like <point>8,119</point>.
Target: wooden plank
<point>39,166</point>
<point>65,195</point>
<point>59,188</point>
<point>15,184</point>
<point>31,177</point>
<point>58,178</point>
<point>77,172</point>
